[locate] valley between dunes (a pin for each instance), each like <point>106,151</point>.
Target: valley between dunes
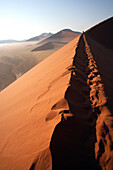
<point>59,115</point>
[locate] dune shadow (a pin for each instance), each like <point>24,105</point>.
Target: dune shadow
<point>72,146</point>
<point>73,139</point>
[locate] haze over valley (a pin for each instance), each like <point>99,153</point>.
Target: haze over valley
<point>18,58</point>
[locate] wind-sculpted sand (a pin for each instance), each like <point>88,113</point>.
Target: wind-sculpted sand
<point>59,115</point>
<point>84,137</point>
<point>104,123</point>
<point>72,143</point>
<point>26,106</point>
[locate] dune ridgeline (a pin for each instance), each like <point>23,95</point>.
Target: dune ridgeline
<point>59,115</point>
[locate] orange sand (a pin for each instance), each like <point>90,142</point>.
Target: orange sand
<point>27,119</point>
<point>59,115</point>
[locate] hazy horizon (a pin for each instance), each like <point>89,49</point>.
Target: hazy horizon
<point>24,19</point>
<point>37,35</point>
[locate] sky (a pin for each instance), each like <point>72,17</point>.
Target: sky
<point>23,19</point>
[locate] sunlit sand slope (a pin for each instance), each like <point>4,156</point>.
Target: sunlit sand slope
<point>29,111</point>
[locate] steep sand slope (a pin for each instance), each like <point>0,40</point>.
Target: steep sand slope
<point>84,137</point>
<point>101,47</point>
<point>72,143</point>
<point>100,104</point>
<point>59,115</point>
<point>29,111</point>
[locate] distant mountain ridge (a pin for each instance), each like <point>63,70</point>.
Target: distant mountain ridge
<point>36,38</point>
<point>64,35</point>
<point>40,37</point>
<point>8,41</point>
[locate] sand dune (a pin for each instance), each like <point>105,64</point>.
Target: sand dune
<point>65,35</point>
<point>91,146</point>
<point>102,53</point>
<point>40,37</point>
<point>25,132</point>
<point>59,114</point>
<point>49,46</point>
<point>102,33</point>
<point>18,58</point>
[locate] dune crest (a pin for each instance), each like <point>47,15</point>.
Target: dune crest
<point>104,129</point>
<point>91,146</point>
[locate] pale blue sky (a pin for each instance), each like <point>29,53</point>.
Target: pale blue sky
<point>22,19</point>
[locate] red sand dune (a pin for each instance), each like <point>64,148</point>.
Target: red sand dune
<point>27,115</point>
<point>59,114</point>
<point>65,35</point>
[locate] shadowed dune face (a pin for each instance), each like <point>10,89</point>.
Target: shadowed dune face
<point>72,143</point>
<point>103,54</point>
<point>104,60</point>
<point>43,161</point>
<point>49,46</point>
<point>102,33</point>
<point>90,147</point>
<point>102,50</point>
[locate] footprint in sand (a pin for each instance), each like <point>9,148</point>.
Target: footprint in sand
<point>56,109</point>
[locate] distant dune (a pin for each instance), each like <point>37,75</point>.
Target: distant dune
<point>40,37</point>
<point>65,35</point>
<point>20,57</point>
<point>57,40</point>
<point>36,38</point>
<point>59,115</point>
<point>49,46</point>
